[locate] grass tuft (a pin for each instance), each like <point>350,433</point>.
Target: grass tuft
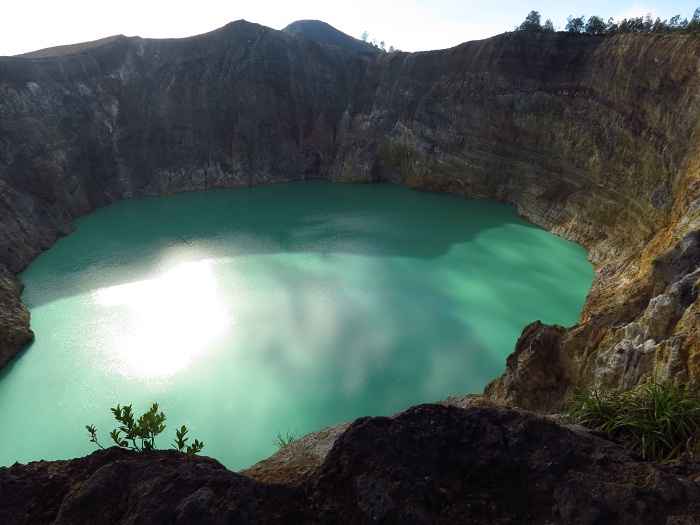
<point>282,441</point>
<point>659,420</point>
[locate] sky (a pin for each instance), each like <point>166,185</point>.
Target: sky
<point>409,25</point>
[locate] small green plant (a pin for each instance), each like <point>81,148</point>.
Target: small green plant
<point>282,441</point>
<point>140,434</point>
<point>181,445</point>
<point>659,420</point>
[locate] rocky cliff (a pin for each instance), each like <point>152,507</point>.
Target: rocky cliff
<point>594,138</point>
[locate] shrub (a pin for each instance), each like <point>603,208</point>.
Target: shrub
<point>140,434</point>
<point>659,420</point>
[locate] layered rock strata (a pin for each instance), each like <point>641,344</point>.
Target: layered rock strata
<point>593,138</point>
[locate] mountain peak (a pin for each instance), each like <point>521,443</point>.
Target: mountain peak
<point>324,33</point>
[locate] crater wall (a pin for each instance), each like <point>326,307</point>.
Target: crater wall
<point>593,138</point>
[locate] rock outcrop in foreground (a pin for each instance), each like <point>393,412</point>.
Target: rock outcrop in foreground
<point>594,138</point>
<point>430,464</point>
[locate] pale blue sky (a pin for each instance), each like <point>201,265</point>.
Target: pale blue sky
<point>411,25</point>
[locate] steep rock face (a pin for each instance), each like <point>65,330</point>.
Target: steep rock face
<point>14,317</point>
<point>593,138</point>
<point>431,464</point>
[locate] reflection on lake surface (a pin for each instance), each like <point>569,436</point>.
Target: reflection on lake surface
<point>248,312</point>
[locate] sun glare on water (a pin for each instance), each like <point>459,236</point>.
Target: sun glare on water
<point>161,325</point>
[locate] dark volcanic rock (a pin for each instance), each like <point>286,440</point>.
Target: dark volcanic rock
<point>431,464</point>
<point>118,486</point>
<point>448,465</point>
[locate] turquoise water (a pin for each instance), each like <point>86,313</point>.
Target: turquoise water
<point>248,312</point>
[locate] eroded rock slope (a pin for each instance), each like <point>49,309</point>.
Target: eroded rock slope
<point>594,138</point>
